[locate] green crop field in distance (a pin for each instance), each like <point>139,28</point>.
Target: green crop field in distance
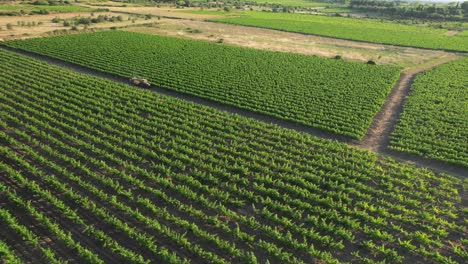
<point>434,121</point>
<point>353,29</point>
<point>303,3</point>
<point>211,12</point>
<point>31,8</point>
<point>333,95</point>
<point>336,10</point>
<point>112,174</point>
<point>463,34</point>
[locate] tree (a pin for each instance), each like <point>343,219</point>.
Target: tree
<point>464,6</point>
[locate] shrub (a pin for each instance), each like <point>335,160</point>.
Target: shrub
<point>83,21</point>
<point>40,3</point>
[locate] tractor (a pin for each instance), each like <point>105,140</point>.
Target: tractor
<point>141,82</point>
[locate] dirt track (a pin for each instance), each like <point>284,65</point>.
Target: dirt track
<point>376,140</point>
<point>377,137</point>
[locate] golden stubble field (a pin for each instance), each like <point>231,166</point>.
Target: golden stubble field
<point>171,22</point>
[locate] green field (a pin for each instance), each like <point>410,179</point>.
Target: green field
<point>463,33</point>
<point>303,3</point>
<point>333,95</point>
<point>434,121</point>
<point>353,29</point>
<point>336,10</point>
<point>211,12</point>
<point>36,8</point>
<point>107,173</point>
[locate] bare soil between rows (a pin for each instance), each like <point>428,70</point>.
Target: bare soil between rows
<point>376,140</point>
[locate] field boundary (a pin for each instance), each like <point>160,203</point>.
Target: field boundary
<point>434,165</point>
<point>324,36</point>
<point>161,16</point>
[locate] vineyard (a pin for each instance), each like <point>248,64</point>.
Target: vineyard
<point>353,29</point>
<point>434,122</point>
<point>314,91</point>
<point>107,173</point>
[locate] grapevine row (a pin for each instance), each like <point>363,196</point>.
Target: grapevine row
<point>211,187</point>
<point>308,90</point>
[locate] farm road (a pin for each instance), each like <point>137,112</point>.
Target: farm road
<point>376,139</point>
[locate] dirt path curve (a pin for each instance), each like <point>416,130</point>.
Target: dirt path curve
<point>378,135</point>
<point>436,166</point>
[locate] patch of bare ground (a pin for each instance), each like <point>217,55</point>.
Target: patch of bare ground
<point>451,33</point>
<point>274,40</point>
<point>44,24</point>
